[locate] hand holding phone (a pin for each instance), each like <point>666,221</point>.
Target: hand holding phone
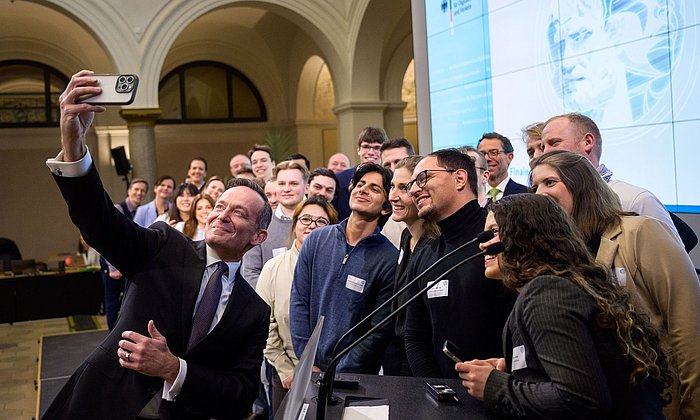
<point>452,351</point>
<point>117,89</point>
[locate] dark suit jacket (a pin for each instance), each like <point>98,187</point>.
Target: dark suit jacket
<point>513,187</point>
<point>343,196</point>
<point>569,367</point>
<point>165,270</point>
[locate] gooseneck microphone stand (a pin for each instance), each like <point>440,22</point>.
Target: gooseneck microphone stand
<point>325,390</point>
<point>482,237</point>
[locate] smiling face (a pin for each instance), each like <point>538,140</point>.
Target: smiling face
<point>390,157</point>
<point>434,200</point>
<point>136,193</point>
<point>301,231</point>
<point>237,163</point>
<point>183,202</point>
<point>402,205</point>
<point>546,181</point>
<point>165,189</point>
<point>231,226</point>
<point>321,186</point>
<point>369,152</point>
<point>197,172</point>
<point>262,164</point>
<point>290,189</point>
<point>201,211</point>
<point>561,134</point>
<point>368,196</point>
<point>492,263</point>
<point>535,148</point>
<point>215,189</point>
<point>338,163</point>
<point>498,165</point>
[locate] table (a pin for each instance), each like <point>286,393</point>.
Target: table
<point>27,297</point>
<point>407,396</point>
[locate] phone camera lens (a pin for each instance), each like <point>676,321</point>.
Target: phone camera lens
<point>130,79</point>
<point>121,79</point>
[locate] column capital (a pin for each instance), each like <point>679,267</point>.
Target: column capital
<point>140,116</point>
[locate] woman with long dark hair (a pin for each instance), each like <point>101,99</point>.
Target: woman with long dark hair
<point>193,227</point>
<point>180,210</point>
<point>575,345</point>
<point>641,254</point>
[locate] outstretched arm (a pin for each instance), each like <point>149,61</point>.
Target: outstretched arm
<point>76,118</point>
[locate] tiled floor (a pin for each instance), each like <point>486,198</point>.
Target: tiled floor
<point>19,350</point>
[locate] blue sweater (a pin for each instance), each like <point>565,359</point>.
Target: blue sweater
<point>343,287</point>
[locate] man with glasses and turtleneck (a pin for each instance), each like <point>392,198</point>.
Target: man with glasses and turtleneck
<point>465,307</point>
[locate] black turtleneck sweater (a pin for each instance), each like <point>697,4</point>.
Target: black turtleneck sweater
<point>473,313</point>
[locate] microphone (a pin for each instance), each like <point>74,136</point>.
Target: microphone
<point>482,237</point>
<point>325,390</point>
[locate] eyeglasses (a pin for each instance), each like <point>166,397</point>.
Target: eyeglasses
<point>376,148</point>
<point>319,221</point>
<point>422,178</point>
<point>493,152</point>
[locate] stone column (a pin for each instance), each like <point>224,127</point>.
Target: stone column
<point>142,143</point>
<point>393,119</point>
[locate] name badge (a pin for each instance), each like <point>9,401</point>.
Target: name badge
<point>355,284</point>
<point>519,361</point>
<point>278,251</point>
<point>621,275</point>
<point>442,289</point>
<point>400,255</point>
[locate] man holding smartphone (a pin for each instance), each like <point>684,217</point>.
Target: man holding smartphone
<point>189,340</point>
<point>465,308</point>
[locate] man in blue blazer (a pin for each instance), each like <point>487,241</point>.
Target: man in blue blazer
<point>149,366</point>
<point>499,153</point>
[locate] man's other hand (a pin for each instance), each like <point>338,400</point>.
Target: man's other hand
<point>148,355</point>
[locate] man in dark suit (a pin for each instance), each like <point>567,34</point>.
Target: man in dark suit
<point>499,153</point>
<point>188,341</point>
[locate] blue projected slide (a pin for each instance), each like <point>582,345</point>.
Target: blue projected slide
<point>631,65</point>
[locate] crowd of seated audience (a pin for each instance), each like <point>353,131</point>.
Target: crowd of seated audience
<point>591,310</point>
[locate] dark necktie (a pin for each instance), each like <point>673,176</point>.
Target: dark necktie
<point>207,305</point>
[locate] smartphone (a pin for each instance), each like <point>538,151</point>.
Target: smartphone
<point>117,89</point>
<point>442,392</point>
<point>452,351</point>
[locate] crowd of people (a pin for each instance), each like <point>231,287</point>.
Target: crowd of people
<point>591,310</point>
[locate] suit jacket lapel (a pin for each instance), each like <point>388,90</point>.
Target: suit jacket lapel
<point>194,265</point>
<point>235,307</point>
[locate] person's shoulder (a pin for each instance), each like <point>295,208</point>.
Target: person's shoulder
<point>515,187</point>
<point>273,263</point>
<point>644,225</point>
<point>246,291</point>
<point>346,175</point>
<point>549,285</point>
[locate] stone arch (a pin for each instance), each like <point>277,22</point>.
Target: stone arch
<point>307,100</point>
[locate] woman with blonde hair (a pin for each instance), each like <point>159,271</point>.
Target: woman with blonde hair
<point>641,254</point>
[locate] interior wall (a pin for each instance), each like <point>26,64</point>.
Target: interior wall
<point>34,214</point>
